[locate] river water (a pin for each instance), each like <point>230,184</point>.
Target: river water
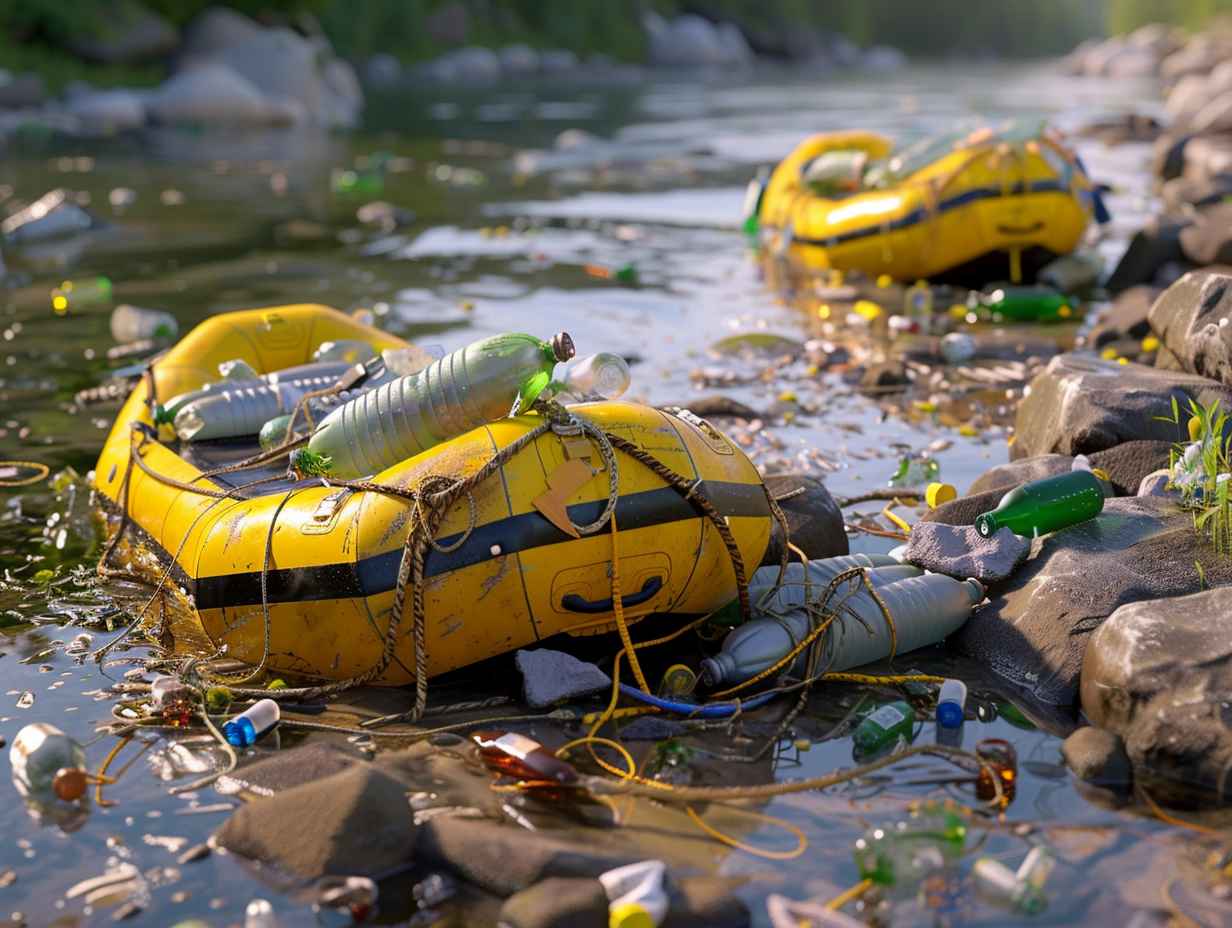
<point>198,223</point>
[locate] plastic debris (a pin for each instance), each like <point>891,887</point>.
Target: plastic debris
<point>172,700</point>
<point>637,897</point>
<point>951,704</point>
<point>1000,760</point>
<point>957,347</point>
<point>50,216</point>
<point>1000,885</point>
<point>46,762</point>
<point>434,890</point>
<point>603,375</point>
<point>915,472</point>
<point>80,294</point>
<point>884,728</point>
<point>1024,304</point>
<point>624,274</point>
<point>1044,506</point>
<point>247,727</point>
<point>132,323</point>
<point>260,914</point>
<point>903,854</point>
<point>938,494</point>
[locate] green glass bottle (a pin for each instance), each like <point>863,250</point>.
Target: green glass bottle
<point>881,729</point>
<point>1027,304</point>
<point>1044,506</point>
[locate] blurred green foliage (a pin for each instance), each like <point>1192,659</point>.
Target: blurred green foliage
<point>1124,15</point>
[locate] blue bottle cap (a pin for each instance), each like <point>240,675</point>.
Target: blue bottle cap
<point>949,714</point>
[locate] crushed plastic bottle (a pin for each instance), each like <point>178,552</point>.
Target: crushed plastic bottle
<point>247,728</point>
<point>485,381</point>
<point>915,472</point>
<point>78,294</point>
<point>926,609</point>
<point>637,897</point>
<point>46,762</point>
<point>132,323</point>
<point>883,729</point>
<point>603,375</point>
<point>1044,506</point>
<point>905,853</point>
<point>997,883</point>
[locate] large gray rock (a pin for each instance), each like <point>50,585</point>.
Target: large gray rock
<point>109,110</point>
<point>1080,404</point>
<point>1125,317</point>
<point>1207,156</point>
<point>549,677</point>
<point>1005,477</point>
<point>1035,629</point>
<point>213,94</point>
<point>1129,463</point>
<point>814,520</point>
<point>1214,116</point>
<point>21,91</point>
<point>1097,756</point>
<point>557,902</point>
<point>690,41</point>
<point>471,65</point>
<point>1156,245</point>
<point>1207,239</point>
<point>1160,674</point>
<point>216,29</point>
<point>128,33</point>
<point>1193,319</point>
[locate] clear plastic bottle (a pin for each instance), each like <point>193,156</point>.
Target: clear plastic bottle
<point>46,762</point>
<point>321,371</point>
<point>247,727</point>
<point>951,704</point>
<point>1000,885</point>
<point>485,381</point>
<point>925,609</point>
<point>637,897</point>
<point>603,374</point>
<point>915,472</point>
<point>903,854</point>
<point>132,323</point>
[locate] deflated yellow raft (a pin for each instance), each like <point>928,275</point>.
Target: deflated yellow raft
<point>935,207</point>
<point>501,575</point>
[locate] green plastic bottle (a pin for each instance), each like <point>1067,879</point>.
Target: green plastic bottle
<point>1044,506</point>
<point>485,381</point>
<point>1026,304</point>
<point>903,854</point>
<point>881,729</point>
<point>915,472</point>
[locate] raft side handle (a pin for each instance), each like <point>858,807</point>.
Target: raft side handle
<point>574,602</point>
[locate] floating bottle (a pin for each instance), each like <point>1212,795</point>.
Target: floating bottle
<point>1044,506</point>
<point>884,728</point>
<point>319,372</point>
<point>172,700</point>
<point>905,853</point>
<point>132,323</point>
<point>46,761</point>
<point>770,595</point>
<point>1000,885</point>
<point>603,374</point>
<point>485,381</point>
<point>76,294</point>
<point>516,755</point>
<point>1025,304</point>
<point>915,472</point>
<point>244,409</point>
<point>624,274</point>
<point>925,610</point>
<point>951,704</point>
<point>246,728</point>
<point>999,766</point>
<point>637,897</point>
<point>754,193</point>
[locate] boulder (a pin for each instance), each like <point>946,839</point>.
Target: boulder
<point>1207,156</point>
<point>1131,63</point>
<point>965,509</point>
<point>1198,56</point>
<point>471,65</point>
<point>1182,193</point>
<point>382,70</point>
<point>1214,116</point>
<point>1125,317</point>
<point>1005,477</point>
<point>213,94</point>
<point>22,91</point>
<point>1159,673</point>
<point>1208,239</point>
<point>557,61</point>
<point>1076,61</point>
<point>1034,629</point>
<point>354,823</point>
<point>1185,99</point>
<point>1096,60</point>
<point>216,29</point>
<point>1097,756</point>
<point>518,60</point>
<point>549,677</point>
<point>1151,249</point>
<point>689,41</point>
<point>1080,404</point>
<point>1193,320</point>
<point>1131,462</point>
<point>557,902</point>
<point>109,110</point>
<point>814,520</point>
<point>129,33</point>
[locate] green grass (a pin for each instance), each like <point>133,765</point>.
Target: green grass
<point>1207,498</point>
<point>58,68</point>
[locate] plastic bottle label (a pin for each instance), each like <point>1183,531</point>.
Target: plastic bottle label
<point>887,716</point>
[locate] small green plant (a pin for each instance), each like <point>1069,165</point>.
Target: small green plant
<point>1202,471</point>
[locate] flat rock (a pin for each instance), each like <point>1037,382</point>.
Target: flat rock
<point>109,110</point>
<point>353,823</point>
<point>1080,404</point>
<point>549,677</point>
<point>965,509</point>
<point>814,520</point>
<point>961,551</point>
<point>1125,317</point>
<point>1035,628</point>
<point>1207,240</point>
<point>22,91</point>
<point>1207,156</point>
<point>288,769</point>
<point>1097,756</point>
<point>1159,673</point>
<point>1193,320</point>
<point>1129,463</point>
<point>1151,249</point>
<point>557,902</point>
<point>1005,477</point>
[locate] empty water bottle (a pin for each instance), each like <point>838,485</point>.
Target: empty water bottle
<point>603,374</point>
<point>45,762</point>
<point>1000,885</point>
<point>247,727</point>
<point>882,729</point>
<point>319,372</point>
<point>904,853</point>
<point>637,897</point>
<point>483,382</point>
<point>132,323</point>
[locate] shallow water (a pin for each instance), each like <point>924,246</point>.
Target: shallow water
<point>199,223</point>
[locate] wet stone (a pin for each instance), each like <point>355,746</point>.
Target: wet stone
<point>1097,756</point>
<point>1131,462</point>
<point>557,902</point>
<point>814,520</point>
<point>1005,477</point>
<point>1125,317</point>
<point>549,677</point>
<point>1193,319</point>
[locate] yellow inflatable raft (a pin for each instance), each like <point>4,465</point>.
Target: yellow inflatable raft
<point>319,564</point>
<point>996,196</point>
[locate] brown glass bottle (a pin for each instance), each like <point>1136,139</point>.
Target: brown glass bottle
<point>518,756</point>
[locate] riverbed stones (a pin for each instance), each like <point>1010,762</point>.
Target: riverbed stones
<point>1193,320</point>
<point>1153,248</point>
<point>1125,317</point>
<point>1207,239</point>
<point>130,33</point>
<point>961,551</point>
<point>1034,629</point>
<point>212,94</point>
<point>814,520</point>
<point>1097,756</point>
<point>1129,463</point>
<point>1005,477</point>
<point>1159,672</point>
<point>1081,404</point>
<point>549,677</point>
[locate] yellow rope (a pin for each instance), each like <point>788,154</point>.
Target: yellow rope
<point>42,470</point>
<point>618,608</point>
<point>898,520</point>
<point>874,679</point>
<point>849,895</point>
<point>101,779</point>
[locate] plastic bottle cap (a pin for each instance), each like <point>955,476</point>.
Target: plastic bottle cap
<point>939,493</point>
<point>949,714</point>
<point>69,783</point>
<point>629,915</point>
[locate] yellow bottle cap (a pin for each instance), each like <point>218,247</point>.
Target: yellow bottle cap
<point>629,915</point>
<point>884,281</point>
<point>867,309</point>
<point>1150,343</point>
<point>938,493</point>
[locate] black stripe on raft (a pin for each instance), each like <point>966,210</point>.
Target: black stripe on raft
<point>917,216</point>
<point>378,574</point>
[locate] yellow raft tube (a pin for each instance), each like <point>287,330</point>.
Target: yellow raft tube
<point>982,194</point>
<point>333,553</point>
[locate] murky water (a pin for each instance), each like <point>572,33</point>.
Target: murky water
<point>198,224</point>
